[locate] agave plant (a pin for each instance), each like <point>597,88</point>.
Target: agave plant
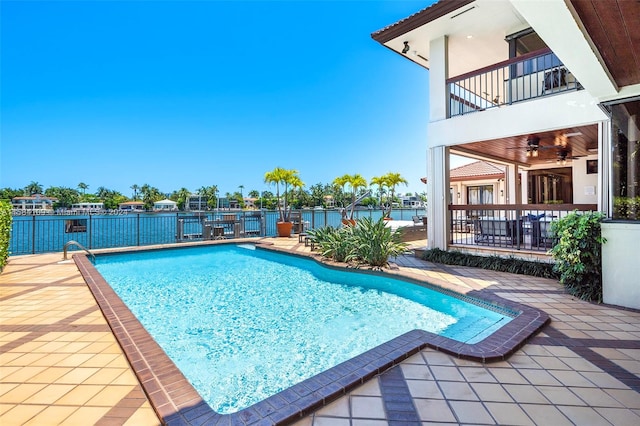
<point>374,242</point>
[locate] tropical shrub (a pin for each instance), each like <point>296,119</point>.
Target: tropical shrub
<point>5,232</point>
<point>333,243</point>
<point>374,242</point>
<point>578,254</point>
<point>493,263</point>
<point>367,242</point>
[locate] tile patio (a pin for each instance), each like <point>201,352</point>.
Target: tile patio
<point>61,364</point>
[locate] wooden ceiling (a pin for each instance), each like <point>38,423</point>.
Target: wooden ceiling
<point>614,28</point>
<point>582,141</point>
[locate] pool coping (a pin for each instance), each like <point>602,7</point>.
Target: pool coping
<point>176,402</point>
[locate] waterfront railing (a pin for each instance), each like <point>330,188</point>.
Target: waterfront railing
<point>32,234</point>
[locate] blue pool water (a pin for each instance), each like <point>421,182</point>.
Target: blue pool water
<point>243,324</point>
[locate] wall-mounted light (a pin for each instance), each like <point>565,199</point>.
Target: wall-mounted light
<point>406,47</point>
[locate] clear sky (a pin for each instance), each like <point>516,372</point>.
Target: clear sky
<point>191,94</point>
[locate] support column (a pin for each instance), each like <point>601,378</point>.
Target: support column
<point>605,202</point>
<point>437,197</point>
<point>524,186</point>
<point>512,195</point>
<point>438,73</point>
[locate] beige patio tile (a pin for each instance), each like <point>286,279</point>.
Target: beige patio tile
<point>370,388</point>
<point>369,422</point>
<point>471,412</point>
<point>424,389</point>
<point>433,410</point>
<point>619,416</point>
<point>143,416</point>
<point>507,375</point>
<point>21,392</point>
<point>446,373</point>
<point>110,396</point>
<point>51,415</point>
<point>104,376</point>
<point>491,392</point>
<point>20,414</point>
<point>49,394</point>
<point>80,395</point>
<point>77,375</point>
<point>508,413</point>
<point>457,391</point>
<point>436,358</point>
<point>331,421</point>
<point>627,397</point>
<point>86,416</point>
<point>583,415</point>
<point>538,377</point>
<point>367,407</point>
<point>477,374</point>
<point>525,394</point>
<point>546,415</point>
<point>414,371</point>
<point>571,378</point>
<point>338,408</point>
<point>596,397</point>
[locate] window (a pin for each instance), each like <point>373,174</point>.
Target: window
<point>480,194</point>
<point>625,132</point>
<point>551,186</point>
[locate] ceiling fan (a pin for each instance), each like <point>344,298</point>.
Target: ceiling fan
<point>560,142</point>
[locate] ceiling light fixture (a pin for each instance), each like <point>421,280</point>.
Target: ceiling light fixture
<point>406,47</point>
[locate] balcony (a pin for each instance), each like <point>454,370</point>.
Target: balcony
<point>524,78</point>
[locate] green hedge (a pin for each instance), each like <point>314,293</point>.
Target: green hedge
<point>578,254</point>
<point>5,232</point>
<point>493,263</point>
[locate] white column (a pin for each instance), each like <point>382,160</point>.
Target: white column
<point>437,196</point>
<point>511,193</point>
<point>438,73</point>
<point>524,186</point>
<point>605,202</point>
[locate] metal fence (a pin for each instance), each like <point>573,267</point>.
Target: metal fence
<point>515,227</point>
<point>49,233</point>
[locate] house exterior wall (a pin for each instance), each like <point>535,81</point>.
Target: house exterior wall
<point>585,186</point>
<point>620,266</point>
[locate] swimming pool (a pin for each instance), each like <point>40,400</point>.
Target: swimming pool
<point>244,324</point>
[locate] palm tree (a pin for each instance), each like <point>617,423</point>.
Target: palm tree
<point>135,191</point>
<point>280,176</point>
<point>356,181</point>
<point>83,187</point>
<point>33,188</point>
<point>381,183</point>
<point>392,179</point>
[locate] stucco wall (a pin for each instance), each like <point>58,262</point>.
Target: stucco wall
<point>621,264</point>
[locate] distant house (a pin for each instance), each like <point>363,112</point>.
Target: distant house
<point>87,207</point>
<point>196,203</point>
<point>134,206</point>
<point>165,205</point>
<point>36,203</point>
<point>250,202</point>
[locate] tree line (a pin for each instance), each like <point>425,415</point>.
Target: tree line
<point>340,192</point>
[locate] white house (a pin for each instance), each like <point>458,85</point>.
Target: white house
<point>165,205</point>
<point>550,90</point>
<point>132,206</point>
<point>36,203</point>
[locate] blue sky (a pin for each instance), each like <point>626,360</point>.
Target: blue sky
<point>191,94</point>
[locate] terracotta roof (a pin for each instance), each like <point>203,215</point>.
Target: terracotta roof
<point>474,171</point>
<point>418,19</point>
